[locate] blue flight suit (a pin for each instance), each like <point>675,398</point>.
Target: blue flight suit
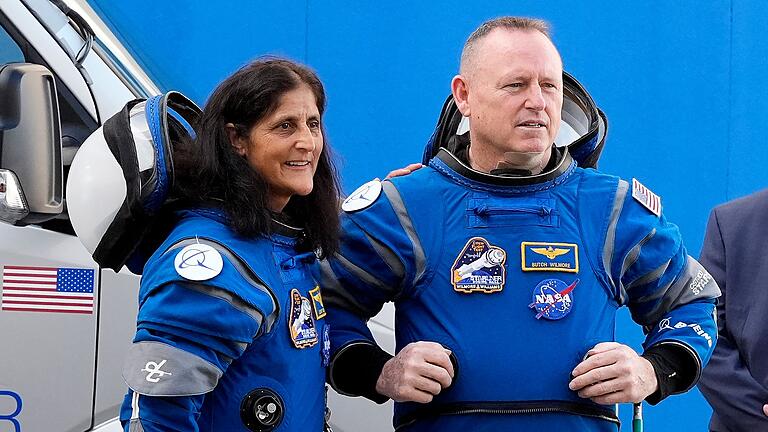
<point>251,329</point>
<point>519,277</point>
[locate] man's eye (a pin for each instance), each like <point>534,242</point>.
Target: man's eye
<point>314,124</point>
<point>515,85</point>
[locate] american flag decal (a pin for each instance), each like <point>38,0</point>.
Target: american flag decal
<point>644,196</point>
<point>48,289</point>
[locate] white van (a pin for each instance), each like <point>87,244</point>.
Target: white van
<point>65,323</point>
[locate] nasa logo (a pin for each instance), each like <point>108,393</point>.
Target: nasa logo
<point>362,197</point>
<point>553,299</point>
<point>301,325</point>
<point>198,262</point>
<point>479,267</point>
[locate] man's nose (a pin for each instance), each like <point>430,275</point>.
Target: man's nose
<point>535,98</point>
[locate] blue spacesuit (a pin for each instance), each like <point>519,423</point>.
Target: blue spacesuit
<point>519,276</point>
<point>231,333</point>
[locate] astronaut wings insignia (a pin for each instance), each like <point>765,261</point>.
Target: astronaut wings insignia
<point>545,256</point>
<point>550,252</point>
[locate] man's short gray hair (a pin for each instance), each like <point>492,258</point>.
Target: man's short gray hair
<point>508,23</point>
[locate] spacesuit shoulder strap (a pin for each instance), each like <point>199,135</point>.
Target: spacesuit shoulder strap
<point>600,199</point>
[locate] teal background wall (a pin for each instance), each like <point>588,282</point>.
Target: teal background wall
<point>682,83</point>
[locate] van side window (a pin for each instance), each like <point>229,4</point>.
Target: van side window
<point>9,50</point>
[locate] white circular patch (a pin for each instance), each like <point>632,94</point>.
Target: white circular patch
<point>198,262</point>
<point>363,197</point>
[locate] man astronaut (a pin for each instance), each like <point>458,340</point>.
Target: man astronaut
<point>507,261</point>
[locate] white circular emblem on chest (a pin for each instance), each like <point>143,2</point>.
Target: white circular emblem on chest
<point>363,197</point>
<point>198,262</point>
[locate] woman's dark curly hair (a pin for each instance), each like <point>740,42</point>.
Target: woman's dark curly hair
<point>211,172</point>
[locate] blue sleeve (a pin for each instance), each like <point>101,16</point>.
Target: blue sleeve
<point>727,384</point>
<point>160,414</point>
<point>380,259</point>
<point>187,335</point>
<point>669,293</point>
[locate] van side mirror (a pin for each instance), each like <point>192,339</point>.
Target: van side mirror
<point>31,179</point>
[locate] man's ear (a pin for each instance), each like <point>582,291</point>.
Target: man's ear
<point>237,141</point>
<point>460,91</point>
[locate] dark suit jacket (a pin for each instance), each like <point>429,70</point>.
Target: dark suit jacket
<point>735,252</point>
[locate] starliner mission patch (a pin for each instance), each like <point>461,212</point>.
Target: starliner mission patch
<point>300,322</point>
<point>479,267</point>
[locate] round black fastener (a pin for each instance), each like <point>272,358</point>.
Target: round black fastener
<point>455,364</point>
<point>261,410</point>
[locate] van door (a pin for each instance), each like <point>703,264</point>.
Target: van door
<point>49,295</point>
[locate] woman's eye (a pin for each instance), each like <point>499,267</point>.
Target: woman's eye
<point>284,125</point>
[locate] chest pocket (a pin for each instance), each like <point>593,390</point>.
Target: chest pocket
<point>294,268</point>
<point>488,212</point>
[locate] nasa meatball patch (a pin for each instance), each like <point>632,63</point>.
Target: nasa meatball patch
<point>301,325</point>
<point>479,267</point>
<point>553,299</point>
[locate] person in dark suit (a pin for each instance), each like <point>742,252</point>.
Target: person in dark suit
<point>735,382</point>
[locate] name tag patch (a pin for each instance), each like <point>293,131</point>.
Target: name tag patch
<point>479,267</point>
<point>544,256</point>
<point>317,302</point>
